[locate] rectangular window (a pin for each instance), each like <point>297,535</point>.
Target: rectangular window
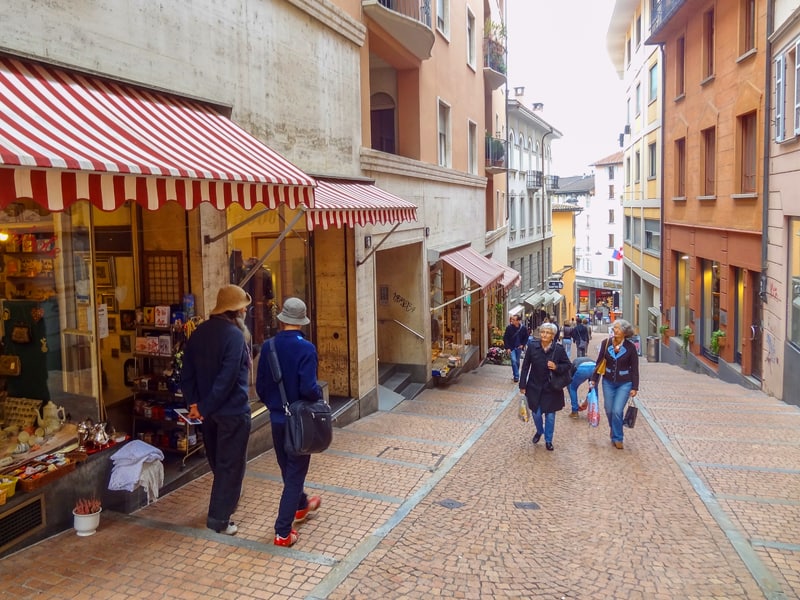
<point>611,216</point>
<point>709,161</point>
<point>472,147</point>
<point>470,39</point>
<point>652,235</point>
<point>611,192</point>
<point>443,16</point>
<point>653,80</point>
<point>627,229</point>
<point>628,112</point>
<point>680,168</point>
<point>748,131</point>
<point>796,87</point>
<point>638,31</point>
<point>748,25</point>
<point>628,170</point>
<point>638,99</point>
<point>708,44</point>
<point>652,167</point>
<point>611,267</point>
<point>780,95</point>
<point>611,240</point>
<point>637,232</point>
<point>628,50</point>
<point>680,67</point>
<point>637,170</point>
<point>444,135</point>
<point>611,173</point>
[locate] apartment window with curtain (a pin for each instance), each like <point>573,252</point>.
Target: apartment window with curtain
<point>709,161</point>
<point>748,25</point>
<point>470,39</point>
<point>652,164</point>
<point>652,76</point>
<point>747,132</point>
<point>444,135</point>
<point>708,44</point>
<point>680,168</point>
<point>680,67</point>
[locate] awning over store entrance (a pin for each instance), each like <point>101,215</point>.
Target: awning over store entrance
<point>66,137</point>
<point>534,300</point>
<point>478,268</point>
<point>340,202</point>
<point>552,297</point>
<point>511,277</point>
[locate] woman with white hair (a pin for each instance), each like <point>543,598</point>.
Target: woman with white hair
<point>620,378</point>
<point>545,362</point>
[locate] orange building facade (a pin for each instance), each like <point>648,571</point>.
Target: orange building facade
<point>713,169</point>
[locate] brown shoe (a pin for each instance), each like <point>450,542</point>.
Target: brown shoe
<point>618,445</point>
<point>573,414</point>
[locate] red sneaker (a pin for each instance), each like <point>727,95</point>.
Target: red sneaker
<point>583,406</point>
<point>287,541</point>
<point>311,507</point>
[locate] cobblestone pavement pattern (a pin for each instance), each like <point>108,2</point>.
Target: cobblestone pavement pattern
<point>446,496</point>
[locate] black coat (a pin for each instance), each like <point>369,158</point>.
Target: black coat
<point>534,376</point>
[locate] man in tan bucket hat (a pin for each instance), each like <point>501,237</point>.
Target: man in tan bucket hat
<point>215,377</point>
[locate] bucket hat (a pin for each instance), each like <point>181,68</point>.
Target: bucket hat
<point>231,297</point>
<point>294,312</point>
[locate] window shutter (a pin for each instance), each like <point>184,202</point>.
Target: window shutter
<point>779,94</point>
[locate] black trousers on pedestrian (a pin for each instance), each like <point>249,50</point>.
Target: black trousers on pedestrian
<point>225,438</point>
<point>293,471</point>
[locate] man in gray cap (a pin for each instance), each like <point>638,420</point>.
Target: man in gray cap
<point>215,383</point>
<point>298,360</point>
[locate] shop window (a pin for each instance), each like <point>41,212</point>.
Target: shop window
<point>793,326</point>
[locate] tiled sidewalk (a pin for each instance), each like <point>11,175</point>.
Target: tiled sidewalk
<point>446,496</point>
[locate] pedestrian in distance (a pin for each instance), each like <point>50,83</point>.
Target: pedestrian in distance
<point>514,340</point>
<point>581,336</point>
<point>582,370</point>
<point>298,361</point>
<point>621,377</point>
<point>215,383</point>
<point>543,359</point>
<point>566,338</point>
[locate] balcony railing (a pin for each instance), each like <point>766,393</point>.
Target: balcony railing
<point>494,55</point>
<point>419,11</point>
<point>551,181</point>
<point>496,153</point>
<point>662,12</point>
<point>534,180</point>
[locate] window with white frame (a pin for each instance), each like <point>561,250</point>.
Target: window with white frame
<point>652,164</point>
<point>637,170</point>
<point>787,93</point>
<point>443,17</point>
<point>637,232</point>
<point>472,147</point>
<point>627,232</point>
<point>471,54</point>
<point>638,99</point>
<point>652,235</point>
<point>444,135</point>
<point>652,77</point>
<point>512,212</point>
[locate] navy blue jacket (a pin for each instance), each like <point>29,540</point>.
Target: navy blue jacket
<point>216,364</point>
<point>622,367</point>
<point>298,359</point>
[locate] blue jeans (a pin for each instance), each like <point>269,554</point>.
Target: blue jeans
<point>293,472</point>
<point>549,425</point>
<point>515,363</point>
<point>615,398</point>
<point>583,373</point>
<point>567,343</point>
<point>225,438</point>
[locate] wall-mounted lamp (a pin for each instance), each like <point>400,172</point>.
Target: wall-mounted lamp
<point>367,241</point>
<point>427,231</point>
<point>685,257</point>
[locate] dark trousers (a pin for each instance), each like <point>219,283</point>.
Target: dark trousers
<point>293,471</point>
<point>225,438</point>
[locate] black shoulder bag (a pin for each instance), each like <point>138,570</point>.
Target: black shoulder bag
<point>309,424</point>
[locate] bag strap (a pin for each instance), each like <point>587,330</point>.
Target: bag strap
<point>277,375</point>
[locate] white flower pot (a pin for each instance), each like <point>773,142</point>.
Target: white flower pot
<point>86,524</point>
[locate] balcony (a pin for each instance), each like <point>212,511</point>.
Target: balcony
<point>407,21</point>
<point>534,180</point>
<point>663,10</point>
<point>551,181</point>
<point>496,156</point>
<point>494,62</point>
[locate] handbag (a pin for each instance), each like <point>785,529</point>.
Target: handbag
<point>309,423</point>
<point>21,333</point>
<point>10,365</point>
<point>631,413</point>
<point>558,381</point>
<point>600,369</point>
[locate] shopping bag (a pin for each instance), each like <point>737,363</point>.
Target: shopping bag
<point>630,415</point>
<point>593,414</point>
<point>524,412</point>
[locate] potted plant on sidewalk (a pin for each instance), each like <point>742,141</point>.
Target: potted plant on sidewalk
<point>687,335</point>
<point>717,341</point>
<point>86,515</point>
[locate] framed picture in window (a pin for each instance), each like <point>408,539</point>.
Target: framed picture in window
<point>104,272</point>
<point>108,298</point>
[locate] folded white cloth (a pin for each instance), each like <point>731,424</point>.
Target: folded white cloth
<point>129,462</point>
<point>151,479</point>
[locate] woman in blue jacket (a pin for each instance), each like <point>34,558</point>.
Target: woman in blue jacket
<point>621,378</point>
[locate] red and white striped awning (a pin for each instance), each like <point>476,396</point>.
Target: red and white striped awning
<point>340,202</point>
<point>477,267</point>
<point>66,137</point>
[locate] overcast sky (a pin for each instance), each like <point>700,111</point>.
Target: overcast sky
<point>557,51</point>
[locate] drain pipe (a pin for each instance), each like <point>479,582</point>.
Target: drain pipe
<point>762,292</point>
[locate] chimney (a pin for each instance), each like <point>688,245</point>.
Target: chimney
<point>519,92</point>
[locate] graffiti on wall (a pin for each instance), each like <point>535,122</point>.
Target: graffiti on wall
<point>406,304</point>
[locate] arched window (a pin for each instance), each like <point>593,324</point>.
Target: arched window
<point>511,155</point>
<point>520,149</point>
<point>382,117</point>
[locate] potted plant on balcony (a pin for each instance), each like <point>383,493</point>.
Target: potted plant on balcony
<point>717,341</point>
<point>494,35</point>
<point>86,515</point>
